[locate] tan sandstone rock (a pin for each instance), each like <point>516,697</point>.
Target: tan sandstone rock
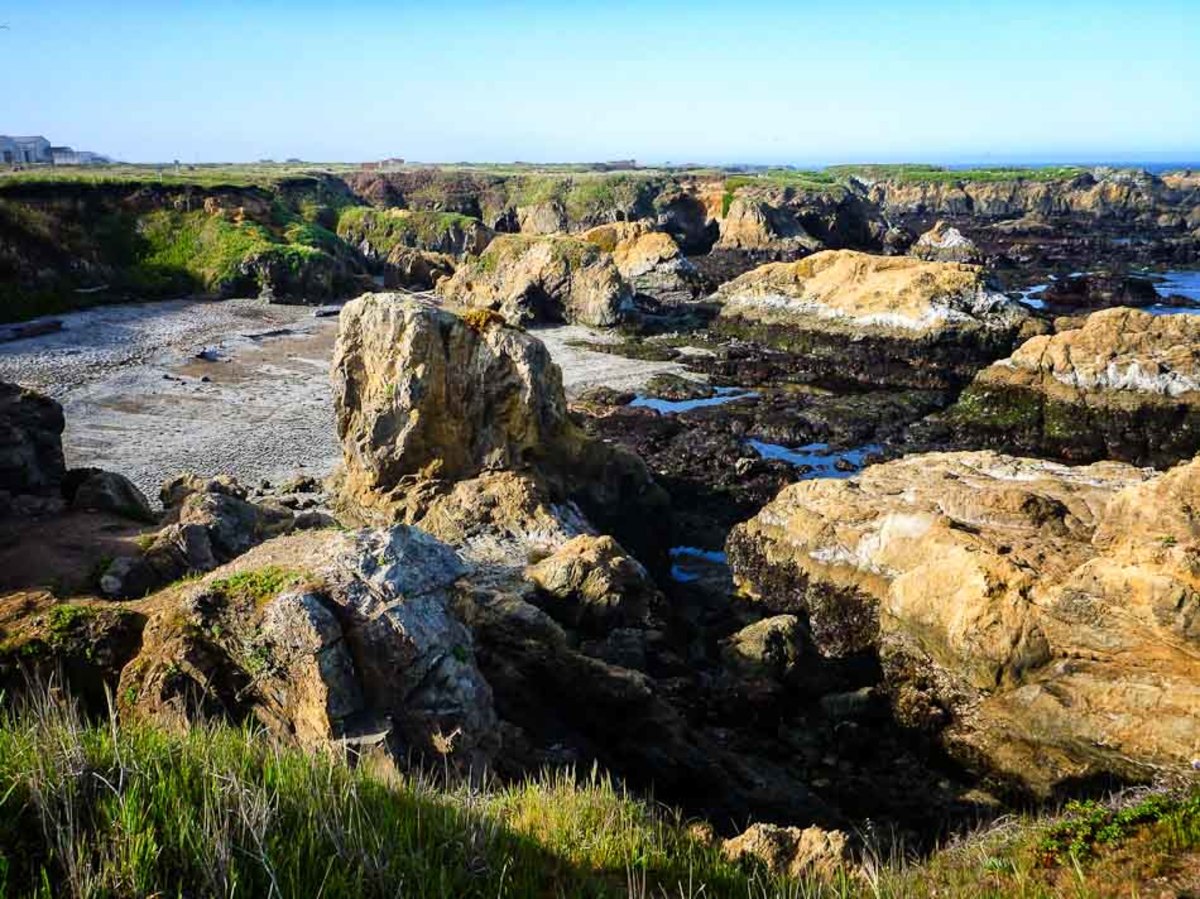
<point>791,851</point>
<point>537,279</point>
<point>426,399</point>
<point>650,260</point>
<point>752,224</point>
<point>1125,385</point>
<point>879,319</point>
<point>1042,620</point>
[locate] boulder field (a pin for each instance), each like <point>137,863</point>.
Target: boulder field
<point>1124,385</point>
<point>847,316</point>
<point>1041,622</point>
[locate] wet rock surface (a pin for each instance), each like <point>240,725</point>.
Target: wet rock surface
<point>1016,606</point>
<point>1122,386</point>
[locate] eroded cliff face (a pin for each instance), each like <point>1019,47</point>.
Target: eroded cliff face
<point>1040,620</point>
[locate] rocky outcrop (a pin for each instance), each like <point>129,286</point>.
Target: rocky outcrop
<point>590,583</point>
<point>543,279</point>
<point>207,522</point>
<point>31,458</point>
<point>425,396</point>
<point>753,224</point>
<point>325,637</point>
<point>879,320</point>
<point>416,269</point>
<point>1039,621</point>
<point>651,261</point>
<point>1098,290</point>
<point>791,851</point>
<point>1125,385</point>
<point>945,243</point>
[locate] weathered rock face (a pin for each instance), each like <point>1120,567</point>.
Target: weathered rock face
<point>590,583</point>
<point>420,390</point>
<point>874,319</point>
<point>31,426</point>
<point>1126,385</point>
<point>416,269</point>
<point>542,279</point>
<point>353,641</point>
<point>651,261</point>
<point>791,851</point>
<point>423,395</point>
<point>208,522</point>
<point>1040,620</point>
<point>751,224</point>
<point>945,243</point>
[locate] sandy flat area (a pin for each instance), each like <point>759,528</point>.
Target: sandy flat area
<point>140,399</point>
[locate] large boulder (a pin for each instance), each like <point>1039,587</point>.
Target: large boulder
<point>543,279</point>
<point>423,396</point>
<point>95,490</point>
<point>322,637</point>
<point>650,260</point>
<point>945,243</point>
<point>1041,621</point>
<point>31,456</point>
<point>881,320</point>
<point>1125,385</point>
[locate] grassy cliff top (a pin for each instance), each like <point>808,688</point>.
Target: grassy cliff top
<point>206,175</point>
<point>267,175</point>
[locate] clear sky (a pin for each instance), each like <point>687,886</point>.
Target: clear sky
<point>752,81</point>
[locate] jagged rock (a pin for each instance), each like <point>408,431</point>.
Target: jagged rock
<point>1098,291</point>
<point>651,261</point>
<point>366,651</point>
<point>418,389</point>
<point>31,426</point>
<point>1041,621</point>
<point>208,522</point>
<point>751,224</point>
<point>882,320</point>
<point>425,396</point>
<point>1125,385</point>
<point>768,648</point>
<point>591,583</point>
<point>791,851</point>
<point>540,279</point>
<point>945,243</point>
<point>380,233</point>
<point>93,490</point>
<point>416,269</point>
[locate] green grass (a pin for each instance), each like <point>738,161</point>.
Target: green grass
<point>207,250</point>
<point>115,809</point>
<point>106,811</point>
<point>920,173</point>
<point>259,585</point>
<point>389,228</point>
<point>203,175</point>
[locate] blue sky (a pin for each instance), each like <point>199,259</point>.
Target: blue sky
<point>751,81</point>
